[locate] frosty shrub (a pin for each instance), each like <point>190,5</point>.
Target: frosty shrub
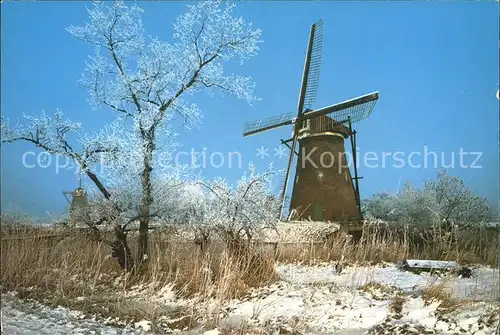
<point>237,212</point>
<point>445,200</point>
<point>148,84</point>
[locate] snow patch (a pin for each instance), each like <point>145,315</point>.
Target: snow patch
<point>143,324</point>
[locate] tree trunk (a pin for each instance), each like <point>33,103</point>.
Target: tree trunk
<point>146,201</point>
<point>121,251</point>
<point>202,242</point>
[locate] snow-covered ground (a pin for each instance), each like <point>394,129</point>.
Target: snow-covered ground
<point>483,286</point>
<point>309,300</point>
<point>31,318</point>
<point>327,302</point>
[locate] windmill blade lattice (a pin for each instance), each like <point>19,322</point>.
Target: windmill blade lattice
<point>310,80</point>
<point>356,109</point>
<point>314,66</point>
<point>257,126</point>
<point>354,113</point>
<point>287,175</point>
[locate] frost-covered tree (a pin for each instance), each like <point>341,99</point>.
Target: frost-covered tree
<point>241,210</point>
<point>457,203</point>
<point>230,212</point>
<point>147,83</point>
<point>380,206</point>
<point>445,200</point>
<point>416,206</point>
<point>197,209</point>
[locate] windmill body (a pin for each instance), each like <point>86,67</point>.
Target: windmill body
<point>323,189</point>
<point>78,205</point>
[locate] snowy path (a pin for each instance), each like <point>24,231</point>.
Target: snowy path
<point>30,318</point>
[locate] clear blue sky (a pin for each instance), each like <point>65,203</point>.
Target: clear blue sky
<point>435,65</point>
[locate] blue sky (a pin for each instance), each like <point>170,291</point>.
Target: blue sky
<point>435,65</point>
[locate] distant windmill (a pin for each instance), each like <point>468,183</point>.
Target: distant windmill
<point>323,192</point>
<point>78,201</point>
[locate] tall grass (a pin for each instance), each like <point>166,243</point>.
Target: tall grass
<point>70,270</point>
<point>73,271</point>
<point>375,245</point>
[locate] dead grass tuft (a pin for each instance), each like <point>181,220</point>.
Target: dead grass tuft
<point>397,304</point>
<point>441,293</point>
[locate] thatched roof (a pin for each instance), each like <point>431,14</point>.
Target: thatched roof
<point>284,232</point>
<point>298,232</point>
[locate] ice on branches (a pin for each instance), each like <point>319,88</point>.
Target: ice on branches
<point>445,200</point>
<point>146,82</point>
<point>234,211</point>
<point>133,75</point>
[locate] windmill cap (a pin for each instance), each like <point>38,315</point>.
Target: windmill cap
<point>79,192</point>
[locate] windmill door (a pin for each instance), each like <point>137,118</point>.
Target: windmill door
<point>317,212</point>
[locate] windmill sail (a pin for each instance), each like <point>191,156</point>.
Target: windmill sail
<point>287,175</point>
<point>312,67</point>
<point>310,80</point>
<point>258,126</point>
<point>356,109</point>
<point>307,97</point>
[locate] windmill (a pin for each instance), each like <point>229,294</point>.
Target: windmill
<point>78,201</point>
<point>322,190</point>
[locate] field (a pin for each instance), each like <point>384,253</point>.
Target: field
<point>68,284</point>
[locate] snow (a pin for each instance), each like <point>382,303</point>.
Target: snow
<point>31,318</point>
<point>310,299</point>
<point>143,324</point>
<point>431,264</point>
<point>483,286</point>
<point>327,302</point>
